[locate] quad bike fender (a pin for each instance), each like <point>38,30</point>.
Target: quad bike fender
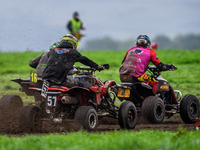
<point>140,90</point>
<point>19,80</point>
<point>25,86</point>
<point>107,85</point>
<point>76,90</point>
<point>63,89</point>
<point>145,85</point>
<point>127,84</point>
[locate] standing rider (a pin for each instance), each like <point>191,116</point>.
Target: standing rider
<point>136,61</point>
<point>75,25</point>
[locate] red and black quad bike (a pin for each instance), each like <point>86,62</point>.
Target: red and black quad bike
<point>154,107</point>
<point>60,104</point>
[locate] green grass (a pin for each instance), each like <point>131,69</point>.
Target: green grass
<point>122,140</point>
<point>186,78</point>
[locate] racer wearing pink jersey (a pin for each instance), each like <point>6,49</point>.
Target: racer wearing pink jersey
<point>136,61</point>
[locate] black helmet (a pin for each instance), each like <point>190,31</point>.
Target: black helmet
<point>70,39</point>
<point>143,40</point>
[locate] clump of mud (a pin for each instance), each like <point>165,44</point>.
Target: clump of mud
<point>10,106</point>
<point>9,121</point>
<point>9,124</point>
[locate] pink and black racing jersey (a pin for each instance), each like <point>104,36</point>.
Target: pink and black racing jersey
<point>136,61</point>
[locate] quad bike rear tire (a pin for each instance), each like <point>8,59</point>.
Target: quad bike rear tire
<point>29,119</point>
<point>153,109</point>
<point>127,116</point>
<point>87,117</point>
<point>189,108</point>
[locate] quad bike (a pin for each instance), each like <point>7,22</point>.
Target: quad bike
<point>59,104</point>
<point>154,107</point>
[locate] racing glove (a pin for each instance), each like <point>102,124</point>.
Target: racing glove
<point>164,67</point>
<point>100,67</point>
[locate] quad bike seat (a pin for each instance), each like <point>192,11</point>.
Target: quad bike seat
<point>136,84</point>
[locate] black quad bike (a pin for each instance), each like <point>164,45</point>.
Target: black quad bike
<point>154,107</point>
<point>59,104</point>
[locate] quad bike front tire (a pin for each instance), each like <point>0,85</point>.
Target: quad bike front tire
<point>29,119</point>
<point>189,108</point>
<point>153,109</point>
<point>87,117</point>
<point>127,116</point>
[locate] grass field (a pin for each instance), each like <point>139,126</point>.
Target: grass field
<point>185,79</point>
<point>122,140</point>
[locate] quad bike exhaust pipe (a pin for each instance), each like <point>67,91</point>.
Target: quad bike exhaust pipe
<point>69,100</point>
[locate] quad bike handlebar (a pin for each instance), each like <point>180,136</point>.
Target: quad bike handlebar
<point>90,70</point>
<point>156,72</point>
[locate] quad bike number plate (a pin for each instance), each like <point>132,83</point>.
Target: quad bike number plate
<point>123,92</point>
<point>51,100</point>
<point>33,77</point>
<point>45,87</point>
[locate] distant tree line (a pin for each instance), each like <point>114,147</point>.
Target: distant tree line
<point>107,43</point>
<point>188,42</point>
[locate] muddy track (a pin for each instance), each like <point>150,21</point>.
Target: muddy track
<point>171,124</point>
<point>11,126</point>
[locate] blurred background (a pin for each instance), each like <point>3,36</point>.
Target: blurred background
<point>110,24</point>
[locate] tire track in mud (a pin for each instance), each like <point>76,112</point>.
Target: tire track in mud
<point>11,126</point>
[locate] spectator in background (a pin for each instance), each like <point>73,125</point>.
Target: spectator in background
<point>75,25</point>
